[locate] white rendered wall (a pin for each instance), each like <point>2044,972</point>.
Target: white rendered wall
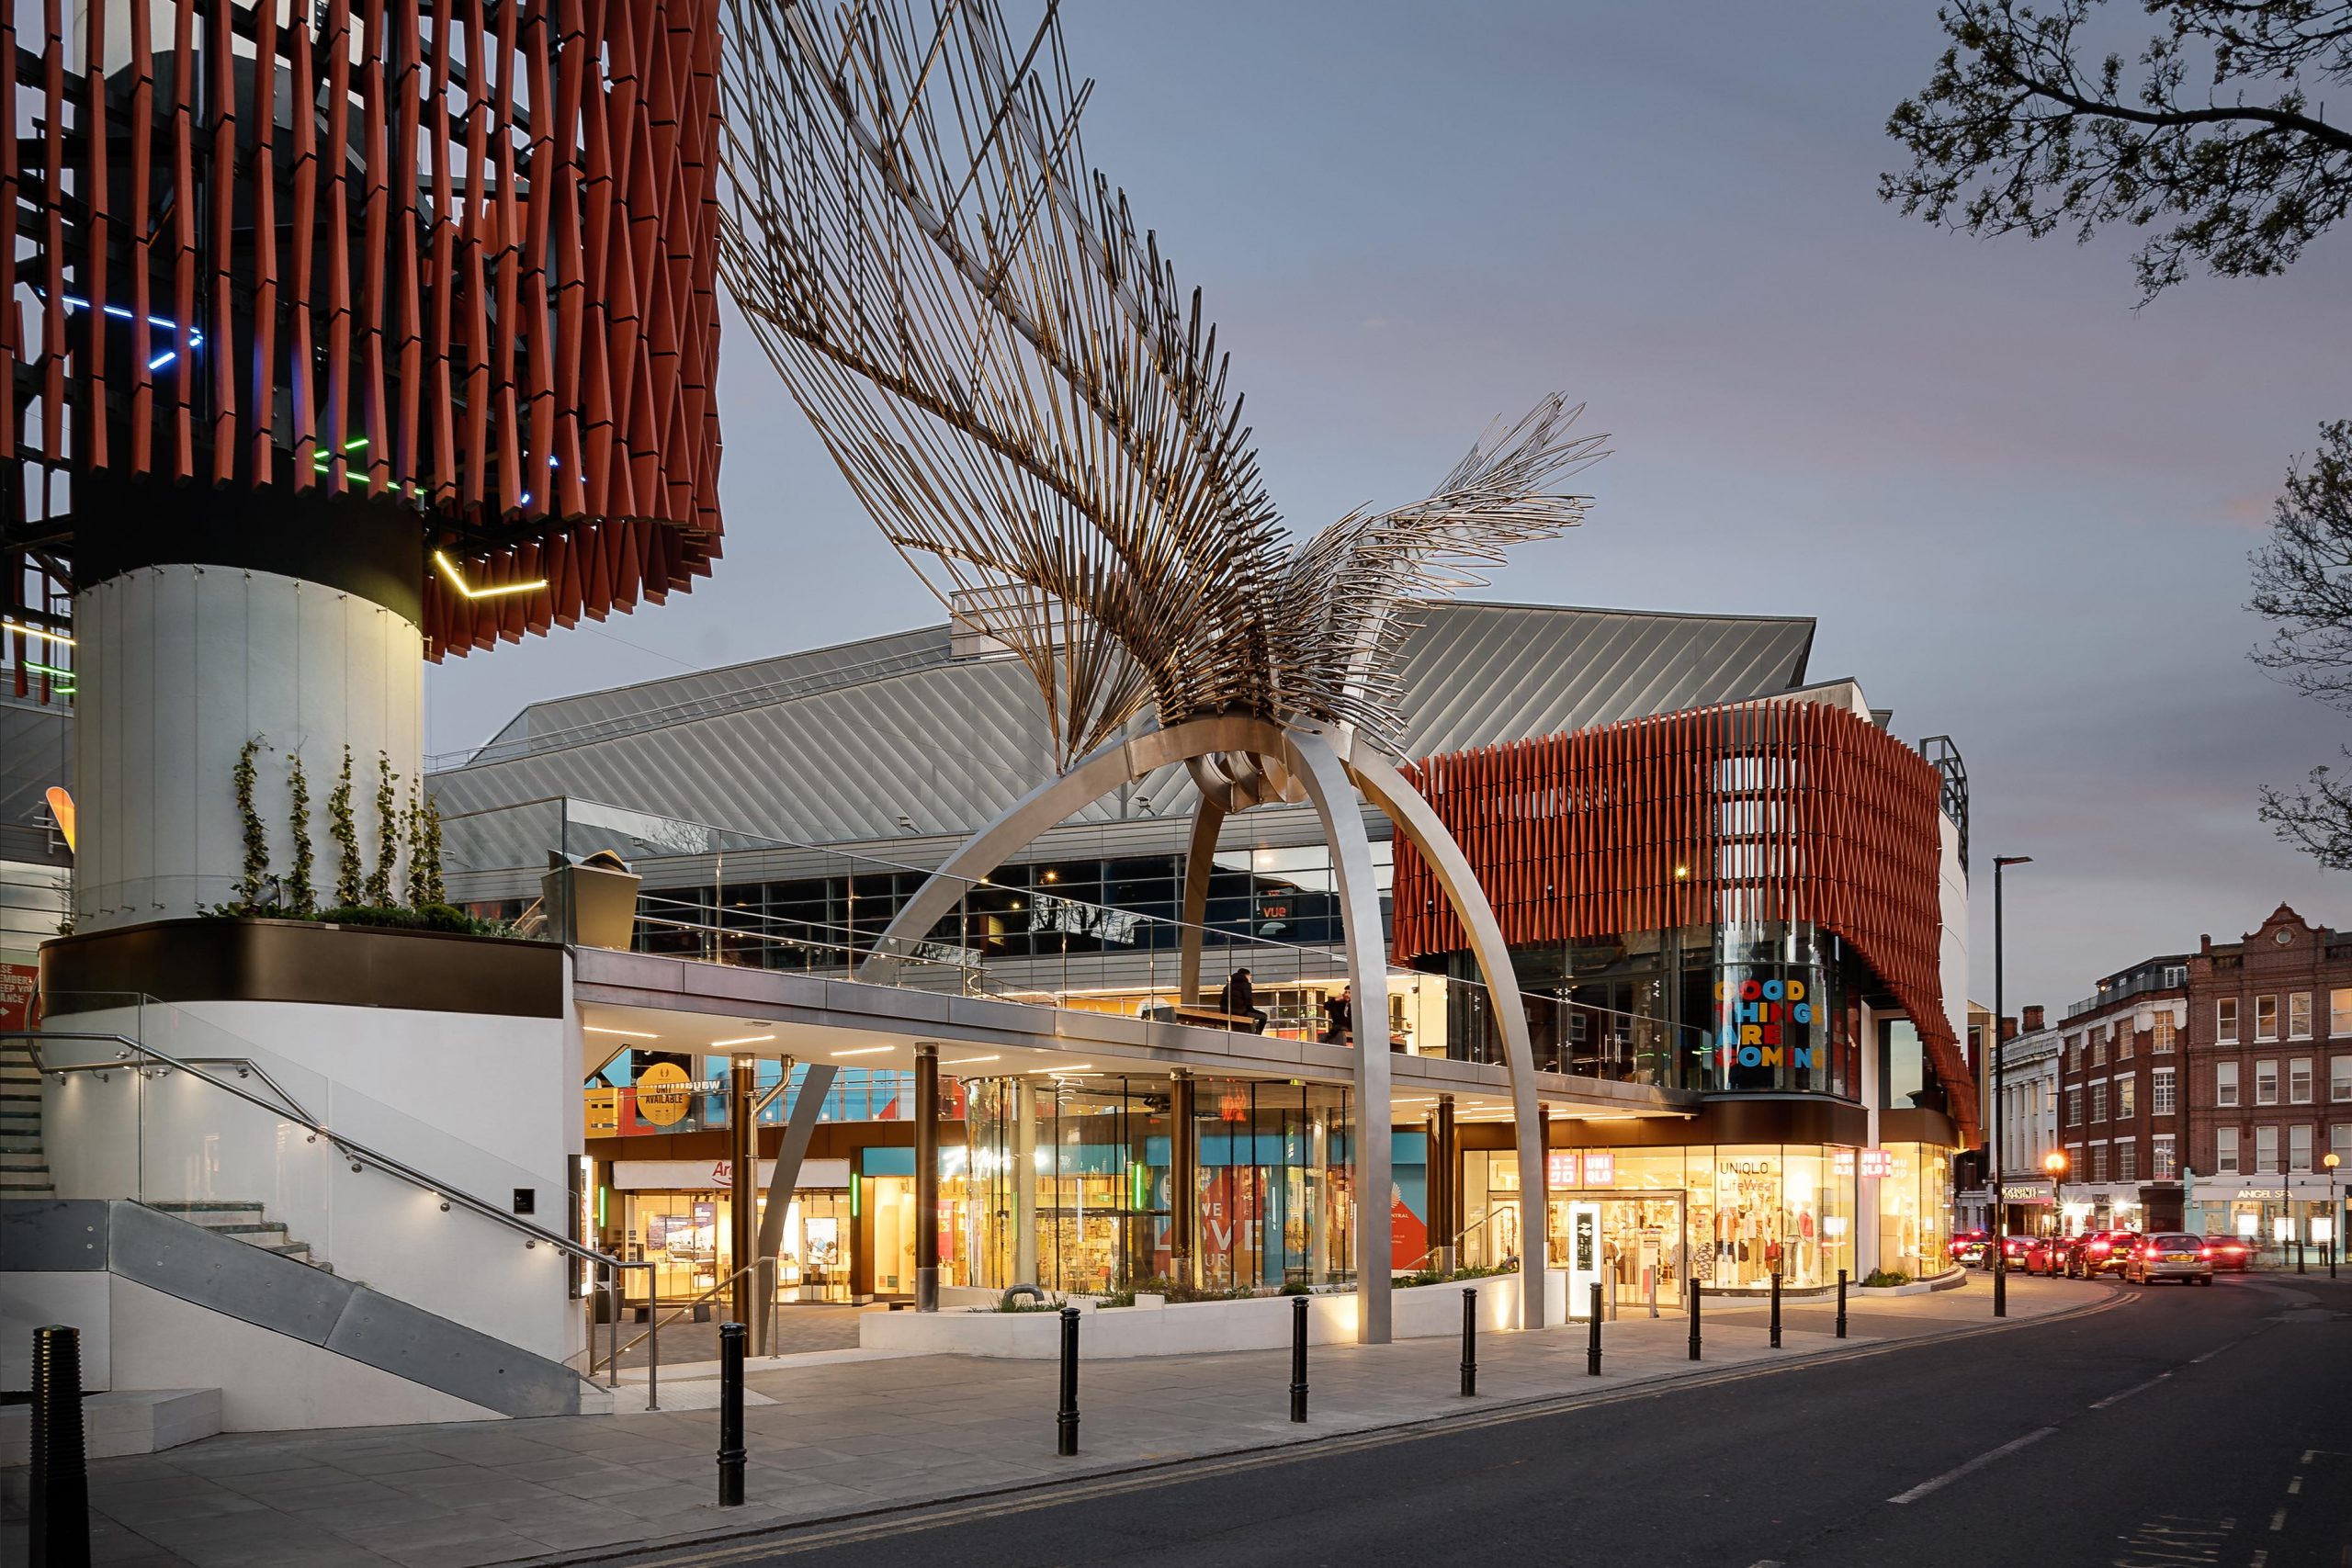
<point>483,1104</point>
<point>1953,890</point>
<point>179,666</point>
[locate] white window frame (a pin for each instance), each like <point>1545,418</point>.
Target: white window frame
<point>2225,1152</point>
<point>2166,1029</point>
<point>2266,1081</point>
<point>2340,1143</point>
<point>2074,1106</point>
<point>2098,1102</point>
<point>2225,1020</point>
<point>2127,1159</point>
<point>2266,1018</point>
<point>2266,1163</point>
<point>2225,1084</point>
<point>2339,1078</point>
<point>2164,1093</point>
<point>2298,1148</point>
<point>2127,1096</point>
<point>2164,1161</point>
<point>2339,1011</point>
<point>2299,1080</point>
<point>2298,1015</point>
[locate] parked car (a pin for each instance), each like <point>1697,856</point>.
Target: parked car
<point>2013,1246</point>
<point>2171,1255</point>
<point>1968,1246</point>
<point>2232,1253</point>
<point>2098,1252</point>
<point>2044,1255</point>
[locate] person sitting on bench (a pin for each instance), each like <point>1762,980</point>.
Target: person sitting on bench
<point>1338,1022</point>
<point>1238,999</point>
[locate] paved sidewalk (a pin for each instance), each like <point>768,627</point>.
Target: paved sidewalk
<point>845,1436</point>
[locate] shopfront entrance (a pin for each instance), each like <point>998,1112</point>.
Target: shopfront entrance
<point>1641,1242</point>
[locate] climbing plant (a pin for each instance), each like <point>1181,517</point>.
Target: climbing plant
<point>343,828</point>
<point>300,890</point>
<point>388,832</point>
<point>256,869</point>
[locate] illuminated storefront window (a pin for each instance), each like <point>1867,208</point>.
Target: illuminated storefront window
<point>1915,1209</point>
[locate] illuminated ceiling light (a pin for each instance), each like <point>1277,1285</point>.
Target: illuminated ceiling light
<point>745,1040</point>
<point>861,1051</point>
<point>449,570</point>
<point>1078,1067</point>
<point>631,1033</point>
<point>24,630</point>
<point>967,1061</point>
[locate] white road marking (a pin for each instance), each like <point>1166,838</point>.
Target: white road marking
<point>2294,1487</point>
<point>1973,1466</point>
<point>2278,1520</point>
<point>2135,1388</point>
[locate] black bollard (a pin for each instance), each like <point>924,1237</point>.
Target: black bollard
<point>1592,1344</point>
<point>730,1414</point>
<point>1776,1309</point>
<point>1469,1342</point>
<point>61,1482</point>
<point>2299,1256</point>
<point>1298,1357</point>
<point>1065,1419</point>
<point>1694,1319</point>
<point>1841,1304</point>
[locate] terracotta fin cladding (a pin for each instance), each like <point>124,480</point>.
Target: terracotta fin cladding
<point>1577,837</point>
<point>480,287</point>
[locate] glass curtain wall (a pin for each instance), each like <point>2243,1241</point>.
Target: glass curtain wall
<point>1089,1170</point>
<point>1915,1209</point>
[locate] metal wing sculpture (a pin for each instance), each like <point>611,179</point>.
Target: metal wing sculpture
<point>1034,411</point>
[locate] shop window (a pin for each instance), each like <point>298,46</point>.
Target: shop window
<point>2127,1162</point>
<point>2225,1151</point>
<point>2298,1148</point>
<point>2266,1083</point>
<point>2299,1016</point>
<point>2339,1011</point>
<point>2225,1020</point>
<point>2164,1030</point>
<point>2266,1019</point>
<point>2162,1165</point>
<point>2265,1150</point>
<point>2225,1083</point>
<point>2099,1101</point>
<point>2339,1078</point>
<point>2127,1096</point>
<point>2160,1092</point>
<point>2299,1080</point>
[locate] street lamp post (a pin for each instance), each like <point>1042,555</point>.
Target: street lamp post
<point>1993,1119</point>
<point>2335,1211</point>
<point>2054,1162</point>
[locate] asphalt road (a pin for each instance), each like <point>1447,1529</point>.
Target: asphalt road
<point>2181,1426</point>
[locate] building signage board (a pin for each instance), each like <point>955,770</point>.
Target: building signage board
<point>718,1175</point>
<point>1584,1256</point>
<point>1877,1162</point>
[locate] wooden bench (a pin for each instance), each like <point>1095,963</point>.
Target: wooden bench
<point>1210,1017</point>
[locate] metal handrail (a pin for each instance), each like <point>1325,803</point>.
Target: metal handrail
<point>653,1324</point>
<point>1457,1242</point>
<point>533,1233</point>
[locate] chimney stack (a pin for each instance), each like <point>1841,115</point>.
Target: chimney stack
<point>2008,1029</point>
<point>2034,1017</point>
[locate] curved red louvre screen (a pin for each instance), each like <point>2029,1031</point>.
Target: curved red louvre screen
<point>1753,811</point>
<point>452,257</point>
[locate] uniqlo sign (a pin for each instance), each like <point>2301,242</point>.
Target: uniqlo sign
<point>1877,1162</point>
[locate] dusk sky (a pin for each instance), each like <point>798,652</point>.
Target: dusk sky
<point>2018,507</point>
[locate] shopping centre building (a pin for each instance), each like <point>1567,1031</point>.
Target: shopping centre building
<point>1733,902</point>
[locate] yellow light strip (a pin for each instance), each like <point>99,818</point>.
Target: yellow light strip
<point>740,1040</point>
<point>866,1051</point>
<point>449,570</point>
<point>35,631</point>
<point>629,1033</point>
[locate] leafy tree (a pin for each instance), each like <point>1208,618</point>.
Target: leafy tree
<point>2214,141</point>
<point>2302,583</point>
<point>2211,142</point>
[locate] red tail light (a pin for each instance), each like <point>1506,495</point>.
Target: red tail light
<point>2204,1252</point>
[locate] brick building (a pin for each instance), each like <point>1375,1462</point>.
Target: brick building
<point>2269,1078</point>
<point>2121,1122</point>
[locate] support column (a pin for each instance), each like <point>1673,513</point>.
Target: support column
<point>1183,1179</point>
<point>743,1186</point>
<point>1318,1223</point>
<point>1445,1183</point>
<point>1024,1183</point>
<point>1536,1247</point>
<point>926,1178</point>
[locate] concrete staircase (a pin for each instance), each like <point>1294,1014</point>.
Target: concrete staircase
<point>24,1168</point>
<point>248,1222</point>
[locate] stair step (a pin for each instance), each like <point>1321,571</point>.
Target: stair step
<point>245,1232</point>
<point>205,1206</point>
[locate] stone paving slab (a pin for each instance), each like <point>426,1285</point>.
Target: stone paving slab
<point>843,1437</point>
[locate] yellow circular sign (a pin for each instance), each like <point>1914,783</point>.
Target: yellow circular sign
<point>662,1097</point>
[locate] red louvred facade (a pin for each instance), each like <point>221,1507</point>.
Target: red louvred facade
<point>482,291</point>
<point>1753,811</point>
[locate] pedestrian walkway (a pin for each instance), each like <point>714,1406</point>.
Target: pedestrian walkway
<point>843,1433</point>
